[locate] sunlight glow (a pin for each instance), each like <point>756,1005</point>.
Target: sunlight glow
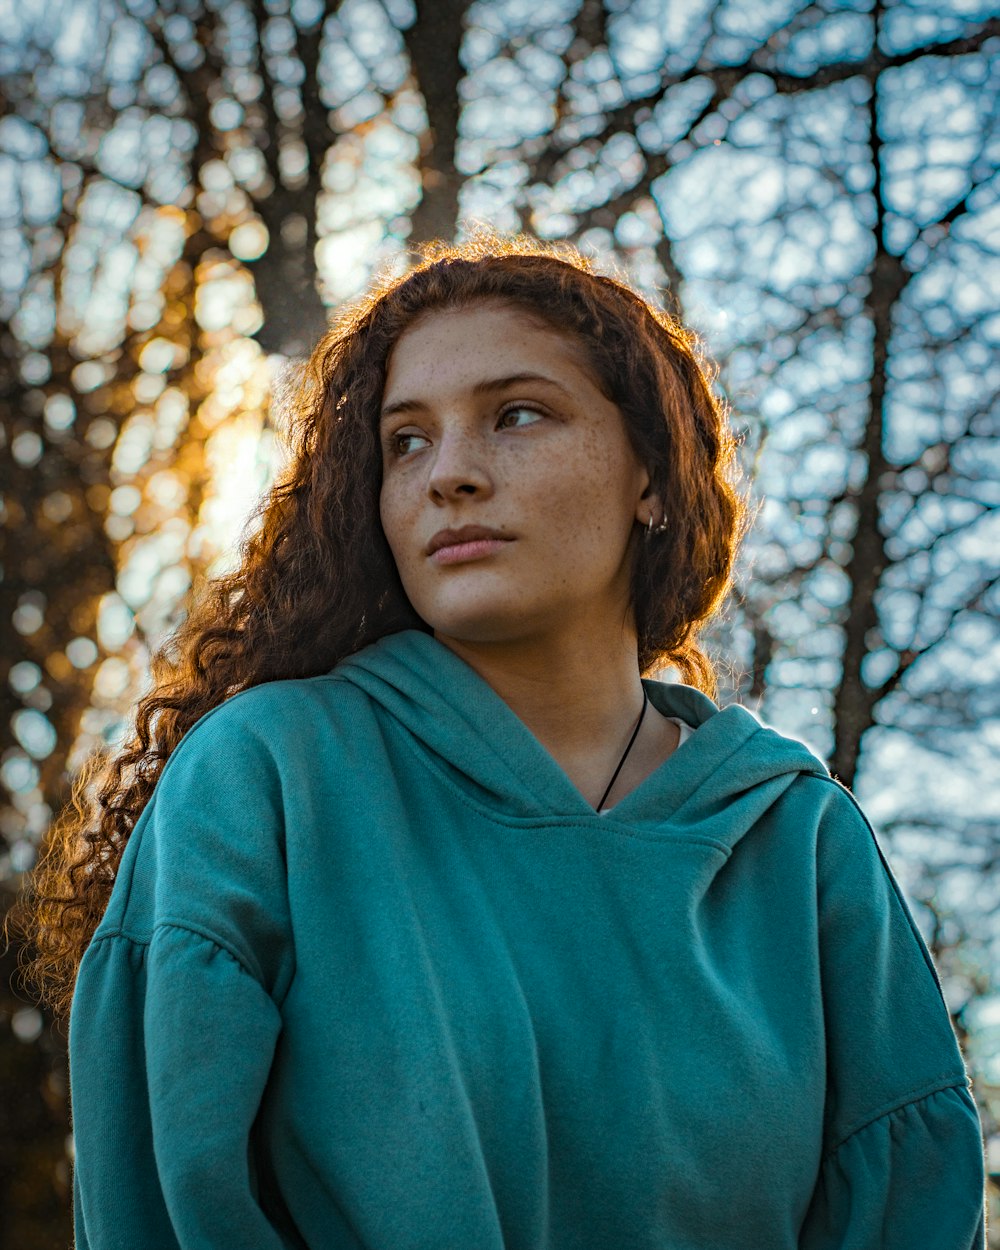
<point>239,456</point>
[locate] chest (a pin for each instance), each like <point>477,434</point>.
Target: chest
<point>602,1015</point>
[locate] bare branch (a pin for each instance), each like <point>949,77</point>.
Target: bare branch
<point>909,657</point>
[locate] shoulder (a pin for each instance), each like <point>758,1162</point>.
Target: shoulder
<point>857,891</point>
<point>847,846</point>
<point>845,835</point>
<point>277,721</point>
<point>286,701</point>
<point>840,812</point>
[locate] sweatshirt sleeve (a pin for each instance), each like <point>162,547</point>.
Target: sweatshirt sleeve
<point>903,1155</point>
<point>176,1013</point>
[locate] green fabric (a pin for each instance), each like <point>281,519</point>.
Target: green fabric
<point>374,974</point>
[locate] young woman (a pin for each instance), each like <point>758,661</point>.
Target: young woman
<point>417,914</point>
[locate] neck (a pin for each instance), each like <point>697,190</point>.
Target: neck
<point>580,698</point>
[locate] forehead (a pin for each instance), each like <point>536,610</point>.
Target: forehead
<point>452,349</point>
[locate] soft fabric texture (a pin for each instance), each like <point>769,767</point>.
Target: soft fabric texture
<point>375,975</point>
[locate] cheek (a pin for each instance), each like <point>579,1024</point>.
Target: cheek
<point>393,520</point>
<point>586,505</point>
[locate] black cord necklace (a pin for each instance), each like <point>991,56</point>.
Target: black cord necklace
<point>645,700</point>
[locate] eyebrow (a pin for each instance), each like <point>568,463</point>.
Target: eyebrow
<point>485,387</point>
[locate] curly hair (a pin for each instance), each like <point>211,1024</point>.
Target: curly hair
<point>316,581</point>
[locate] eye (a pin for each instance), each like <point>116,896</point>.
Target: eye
<point>515,409</point>
<point>397,443</point>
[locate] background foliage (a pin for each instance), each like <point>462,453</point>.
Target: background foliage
<point>186,188</point>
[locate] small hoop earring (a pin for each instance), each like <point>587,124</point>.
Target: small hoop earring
<point>652,529</point>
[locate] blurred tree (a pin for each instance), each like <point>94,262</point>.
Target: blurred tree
<point>186,186</point>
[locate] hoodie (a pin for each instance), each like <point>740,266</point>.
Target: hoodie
<point>375,976</point>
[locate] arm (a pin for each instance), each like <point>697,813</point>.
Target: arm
<point>903,1159</point>
<point>175,1016</point>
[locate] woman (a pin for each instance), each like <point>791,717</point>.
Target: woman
<point>441,926</point>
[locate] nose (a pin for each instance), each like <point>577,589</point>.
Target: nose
<point>459,467</point>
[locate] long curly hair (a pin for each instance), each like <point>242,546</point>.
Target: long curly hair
<point>316,581</point>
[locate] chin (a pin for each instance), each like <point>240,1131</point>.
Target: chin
<point>499,622</point>
<point>478,629</point>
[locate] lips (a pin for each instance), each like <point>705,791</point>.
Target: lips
<point>467,534</point>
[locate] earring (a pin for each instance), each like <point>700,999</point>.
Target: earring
<point>658,529</point>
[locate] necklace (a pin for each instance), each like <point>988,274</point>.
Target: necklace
<point>614,776</point>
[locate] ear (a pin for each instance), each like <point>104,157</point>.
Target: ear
<point>649,504</point>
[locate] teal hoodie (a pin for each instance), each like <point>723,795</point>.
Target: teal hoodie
<point>375,975</point>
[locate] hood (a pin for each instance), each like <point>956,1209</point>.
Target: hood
<point>721,780</point>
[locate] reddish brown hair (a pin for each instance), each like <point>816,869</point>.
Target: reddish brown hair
<point>316,581</point>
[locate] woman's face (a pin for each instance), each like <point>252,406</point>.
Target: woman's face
<point>490,419</point>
